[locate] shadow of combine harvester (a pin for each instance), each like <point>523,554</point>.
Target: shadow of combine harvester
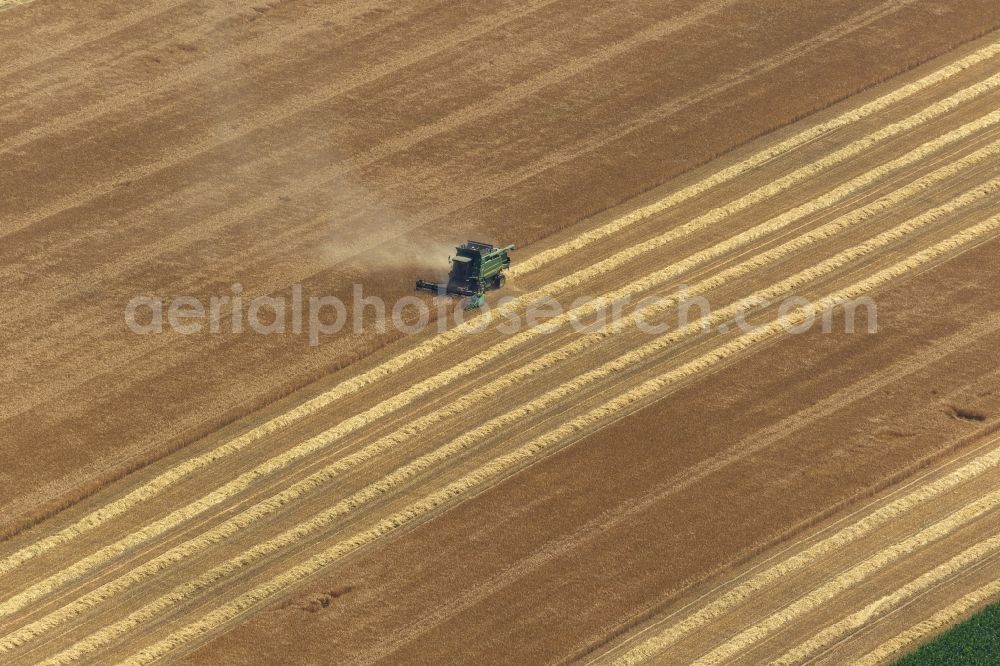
<point>476,269</point>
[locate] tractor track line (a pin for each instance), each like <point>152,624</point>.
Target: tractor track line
<point>935,623</point>
<point>568,351</point>
<point>850,578</point>
<point>499,466</point>
<point>654,645</point>
<point>401,475</point>
<point>871,612</point>
<point>428,347</point>
<point>755,443</point>
<point>914,475</point>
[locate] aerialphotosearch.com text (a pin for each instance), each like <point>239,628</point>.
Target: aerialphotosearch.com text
<point>323,316</point>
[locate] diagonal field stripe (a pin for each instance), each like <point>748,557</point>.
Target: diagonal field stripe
<point>259,511</point>
<point>745,591</point>
<point>851,578</point>
<point>920,631</point>
<point>880,607</point>
<point>491,471</point>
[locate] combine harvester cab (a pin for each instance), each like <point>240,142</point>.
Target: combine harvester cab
<point>475,269</point>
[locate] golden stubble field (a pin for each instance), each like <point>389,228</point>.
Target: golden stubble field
<point>446,496</point>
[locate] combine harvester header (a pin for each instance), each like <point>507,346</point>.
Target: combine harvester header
<point>475,269</point>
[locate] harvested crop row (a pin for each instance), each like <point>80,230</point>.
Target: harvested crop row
<point>849,578</point>
<point>570,350</point>
<point>943,618</point>
<point>423,350</point>
<point>969,557</point>
<point>488,472</point>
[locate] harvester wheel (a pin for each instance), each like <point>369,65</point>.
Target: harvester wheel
<point>499,280</point>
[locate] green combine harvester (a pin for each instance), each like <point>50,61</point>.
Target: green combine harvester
<point>476,269</point>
